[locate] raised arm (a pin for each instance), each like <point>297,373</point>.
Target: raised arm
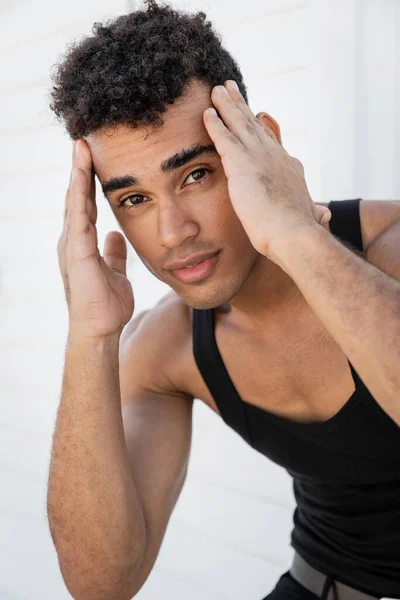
<point>158,426</point>
<point>119,461</point>
<point>122,436</point>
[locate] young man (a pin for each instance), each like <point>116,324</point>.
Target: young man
<point>287,326</point>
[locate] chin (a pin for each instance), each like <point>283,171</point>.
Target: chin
<point>219,289</point>
<point>202,304</point>
<point>203,299</point>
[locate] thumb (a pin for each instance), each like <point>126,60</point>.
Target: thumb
<point>115,251</point>
<point>322,214</point>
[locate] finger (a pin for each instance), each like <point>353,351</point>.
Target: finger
<point>234,118</point>
<point>68,194</point>
<point>62,240</point>
<point>66,202</point>
<point>326,217</point>
<point>92,195</point>
<point>228,146</point>
<point>83,160</point>
<point>322,214</point>
<point>115,251</point>
<point>234,92</point>
<point>262,133</point>
<point>82,237</point>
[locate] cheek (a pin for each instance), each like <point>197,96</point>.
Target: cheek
<point>228,226</point>
<point>226,217</point>
<point>138,237</point>
<point>218,208</point>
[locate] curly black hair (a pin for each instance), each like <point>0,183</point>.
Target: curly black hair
<point>134,66</point>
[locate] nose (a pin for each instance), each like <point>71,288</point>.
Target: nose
<point>175,225</point>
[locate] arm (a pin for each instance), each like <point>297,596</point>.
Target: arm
<point>158,424</point>
<point>116,470</point>
<point>93,506</point>
<point>357,301</point>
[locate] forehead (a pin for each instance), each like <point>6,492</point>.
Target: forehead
<point>125,149</point>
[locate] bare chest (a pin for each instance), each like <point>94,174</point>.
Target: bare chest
<point>299,373</point>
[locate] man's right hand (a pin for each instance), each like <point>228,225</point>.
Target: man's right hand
<point>99,295</point>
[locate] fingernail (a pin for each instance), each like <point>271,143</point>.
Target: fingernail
<point>212,112</point>
<point>234,84</point>
<point>222,89</point>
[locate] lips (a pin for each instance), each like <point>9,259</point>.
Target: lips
<point>199,272</point>
<point>191,261</point>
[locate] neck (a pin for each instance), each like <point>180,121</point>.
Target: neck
<point>267,292</point>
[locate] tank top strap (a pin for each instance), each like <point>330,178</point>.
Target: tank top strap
<point>354,374</point>
<point>215,375</point>
<point>345,222</point>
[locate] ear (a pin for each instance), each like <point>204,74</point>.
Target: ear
<point>270,125</point>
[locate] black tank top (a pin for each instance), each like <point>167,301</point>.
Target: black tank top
<point>346,470</point>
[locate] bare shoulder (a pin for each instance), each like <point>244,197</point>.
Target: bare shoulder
<point>154,343</point>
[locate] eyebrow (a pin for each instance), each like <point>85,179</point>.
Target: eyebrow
<point>173,162</point>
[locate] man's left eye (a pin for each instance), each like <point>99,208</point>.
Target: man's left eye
<point>197,175</point>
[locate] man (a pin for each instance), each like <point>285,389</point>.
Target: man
<point>288,332</point>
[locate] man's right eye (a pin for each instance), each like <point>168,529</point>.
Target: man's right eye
<point>135,203</point>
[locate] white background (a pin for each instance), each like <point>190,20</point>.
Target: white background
<point>329,72</point>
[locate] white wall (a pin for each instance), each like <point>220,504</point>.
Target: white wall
<point>328,71</point>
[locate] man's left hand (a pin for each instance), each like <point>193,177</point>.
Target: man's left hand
<point>266,185</point>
